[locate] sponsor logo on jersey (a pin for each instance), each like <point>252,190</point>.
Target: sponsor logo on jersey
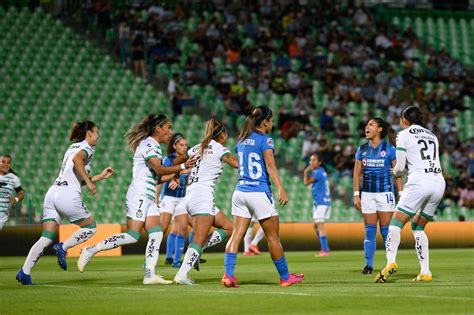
<point>270,142</point>
<point>383,153</point>
<point>373,162</point>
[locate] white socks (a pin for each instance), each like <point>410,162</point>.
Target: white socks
<point>80,236</point>
<point>152,253</point>
<point>218,236</point>
<point>247,239</point>
<point>421,247</point>
<point>258,236</point>
<point>190,258</point>
<point>113,241</point>
<point>35,253</point>
<point>393,241</point>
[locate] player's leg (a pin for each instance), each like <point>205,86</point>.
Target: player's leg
<point>241,225</point>
<point>369,213</point>
<point>385,207</point>
<point>171,238</point>
<point>152,251</point>
<point>248,240</point>
<point>421,246</point>
<point>223,229</point>
<point>180,225</point>
<point>320,214</point>
<point>256,239</point>
<point>384,218</point>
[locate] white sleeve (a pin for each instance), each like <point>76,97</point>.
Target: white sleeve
<point>16,181</point>
<point>223,151</point>
<point>399,168</point>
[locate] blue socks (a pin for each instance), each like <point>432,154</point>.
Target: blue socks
<point>178,248</point>
<point>190,238</point>
<point>384,232</point>
<point>170,245</point>
<point>230,260</point>
<point>370,243</point>
<point>282,268</point>
<point>324,243</point>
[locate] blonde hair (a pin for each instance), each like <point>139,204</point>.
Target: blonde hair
<point>144,129</point>
<point>213,129</point>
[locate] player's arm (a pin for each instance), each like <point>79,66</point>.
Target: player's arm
<point>106,173</point>
<point>400,165</point>
<point>307,178</point>
<point>398,180</point>
<point>231,160</point>
<point>161,170</point>
<point>356,183</point>
<point>78,161</point>
<point>20,194</point>
<point>273,173</point>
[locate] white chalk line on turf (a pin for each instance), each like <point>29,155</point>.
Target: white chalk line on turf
<point>240,291</point>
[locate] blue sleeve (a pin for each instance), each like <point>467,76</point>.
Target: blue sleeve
<point>358,154</point>
<point>316,175</point>
<point>267,144</point>
<point>392,153</point>
<point>167,161</point>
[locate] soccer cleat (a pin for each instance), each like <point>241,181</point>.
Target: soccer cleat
<point>294,278</point>
<point>229,282</point>
<point>84,259</point>
<point>386,272</point>
<point>197,266</point>
<point>61,253</point>
<point>367,270</point>
<point>177,265</point>
<point>322,254</point>
<point>249,253</point>
<point>168,261</point>
<point>156,279</point>
<point>254,249</point>
<point>23,278</point>
<point>183,281</point>
<point>202,260</point>
<point>423,278</point>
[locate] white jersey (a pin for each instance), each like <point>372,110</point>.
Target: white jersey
<point>144,179</point>
<point>8,184</point>
<point>207,169</point>
<point>422,153</point>
<point>68,176</point>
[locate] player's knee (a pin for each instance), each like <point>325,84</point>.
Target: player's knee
<point>415,226</point>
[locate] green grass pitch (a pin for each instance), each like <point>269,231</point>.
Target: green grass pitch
<point>333,285</point>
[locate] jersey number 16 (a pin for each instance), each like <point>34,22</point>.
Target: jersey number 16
<point>253,166</point>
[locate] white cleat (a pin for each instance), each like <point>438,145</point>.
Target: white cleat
<point>184,281</point>
<point>156,279</point>
<point>84,259</point>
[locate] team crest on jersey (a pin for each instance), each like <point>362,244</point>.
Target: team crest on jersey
<point>364,162</point>
<point>270,141</point>
<point>139,213</point>
<point>383,153</point>
<point>364,153</point>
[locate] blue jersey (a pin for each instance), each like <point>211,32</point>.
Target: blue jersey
<point>253,175</point>
<point>180,191</point>
<point>320,187</point>
<point>376,164</point>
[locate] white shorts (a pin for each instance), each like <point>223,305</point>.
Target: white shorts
<point>423,197</point>
<point>173,205</point>
<point>139,207</point>
<point>321,213</point>
<point>200,203</point>
<point>259,204</point>
<point>62,203</point>
<point>373,202</point>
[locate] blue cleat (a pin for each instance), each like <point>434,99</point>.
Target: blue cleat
<point>58,248</point>
<point>23,278</point>
<point>177,265</point>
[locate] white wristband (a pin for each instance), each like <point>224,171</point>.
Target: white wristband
<point>400,192</point>
<point>17,200</point>
<point>356,194</point>
<point>183,167</point>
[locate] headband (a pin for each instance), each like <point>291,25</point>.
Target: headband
<point>218,131</point>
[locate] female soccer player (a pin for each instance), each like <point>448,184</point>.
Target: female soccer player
<point>63,199</point>
<point>251,244</point>
<point>144,140</point>
<point>315,175</point>
<point>418,150</point>
<point>211,156</point>
<point>252,195</point>
<point>374,160</point>
<point>172,203</point>
<point>9,183</point>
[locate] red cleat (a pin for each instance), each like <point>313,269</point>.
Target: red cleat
<point>254,248</point>
<point>229,282</point>
<point>292,279</point>
<point>323,254</point>
<point>248,253</point>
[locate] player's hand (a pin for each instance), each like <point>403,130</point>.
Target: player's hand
<point>173,184</point>
<point>191,161</point>
<point>107,172</point>
<point>12,201</point>
<point>357,202</point>
<point>283,196</point>
<point>91,186</point>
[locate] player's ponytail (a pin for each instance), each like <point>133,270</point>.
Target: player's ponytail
<point>387,130</point>
<point>258,115</point>
<point>144,129</point>
<point>213,129</point>
<point>79,130</point>
<point>413,115</point>
<point>175,138</point>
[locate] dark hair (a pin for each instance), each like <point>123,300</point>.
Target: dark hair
<point>413,115</point>
<point>319,156</point>
<point>79,130</point>
<point>213,129</point>
<point>175,138</point>
<point>9,156</point>
<point>256,117</point>
<point>387,130</point>
<point>143,129</point>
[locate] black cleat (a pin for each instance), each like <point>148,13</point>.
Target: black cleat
<point>169,261</point>
<point>367,270</point>
<point>202,261</point>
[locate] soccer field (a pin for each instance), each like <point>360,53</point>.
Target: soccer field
<point>333,284</point>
